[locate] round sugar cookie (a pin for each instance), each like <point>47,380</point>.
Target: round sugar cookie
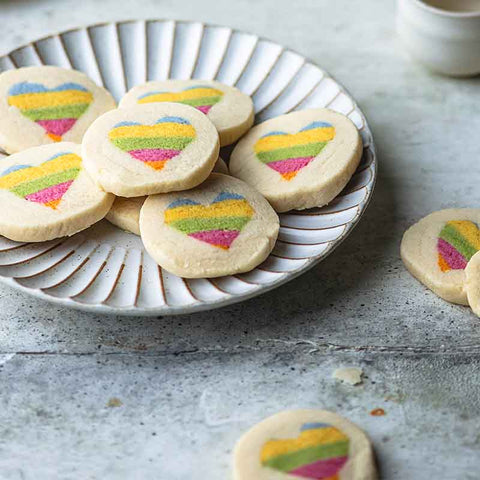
<point>230,110</point>
<point>46,193</point>
<point>304,444</point>
<point>148,149</point>
<point>222,227</point>
<point>299,160</point>
<point>44,105</point>
<point>472,284</point>
<point>125,212</point>
<point>436,250</point>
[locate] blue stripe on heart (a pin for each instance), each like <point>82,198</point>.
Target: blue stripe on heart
<point>27,87</point>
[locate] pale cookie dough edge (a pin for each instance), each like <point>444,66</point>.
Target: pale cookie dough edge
<point>68,227</point>
<point>230,135</point>
<point>472,284</point>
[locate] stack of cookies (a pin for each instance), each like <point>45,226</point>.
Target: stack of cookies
<point>152,166</point>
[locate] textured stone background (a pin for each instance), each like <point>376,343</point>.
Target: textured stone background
<point>187,387</point>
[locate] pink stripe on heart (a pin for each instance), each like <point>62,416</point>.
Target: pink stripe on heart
<point>290,164</point>
<point>154,154</point>
<point>57,127</point>
<point>455,260</point>
<point>205,108</point>
<point>55,192</point>
<point>222,238</point>
<point>321,468</point>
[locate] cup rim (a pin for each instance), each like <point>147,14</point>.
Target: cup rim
<point>446,13</point>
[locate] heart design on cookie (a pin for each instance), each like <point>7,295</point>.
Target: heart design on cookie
<point>56,109</point>
<point>458,241</point>
<point>217,224</point>
<point>155,144</point>
<point>288,153</point>
<point>319,452</point>
<point>46,183</point>
<point>201,97</point>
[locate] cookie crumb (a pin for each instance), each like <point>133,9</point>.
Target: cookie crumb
<point>114,402</point>
<point>350,375</point>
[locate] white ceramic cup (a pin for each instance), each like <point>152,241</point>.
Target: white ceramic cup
<point>444,35</point>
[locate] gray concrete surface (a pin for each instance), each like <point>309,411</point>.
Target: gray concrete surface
<point>187,387</point>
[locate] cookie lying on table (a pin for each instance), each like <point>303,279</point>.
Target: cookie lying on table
<point>437,249</point>
<point>304,444</point>
<point>472,284</point>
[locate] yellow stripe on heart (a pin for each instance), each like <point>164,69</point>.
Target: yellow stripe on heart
<point>58,164</point>
<point>469,231</point>
<point>180,96</point>
<point>29,101</point>
<point>323,134</point>
<point>226,208</point>
<point>308,438</point>
<point>164,129</point>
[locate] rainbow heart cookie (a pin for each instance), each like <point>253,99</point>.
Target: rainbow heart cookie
<point>201,97</point>
<point>56,110</point>
<point>46,183</point>
<point>218,224</point>
<point>438,248</point>
<point>319,452</point>
<point>150,149</point>
<point>154,144</point>
<point>212,232</point>
<point>458,241</point>
<point>229,109</point>
<point>288,153</point>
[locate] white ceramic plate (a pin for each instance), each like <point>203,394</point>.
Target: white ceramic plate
<point>107,270</point>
